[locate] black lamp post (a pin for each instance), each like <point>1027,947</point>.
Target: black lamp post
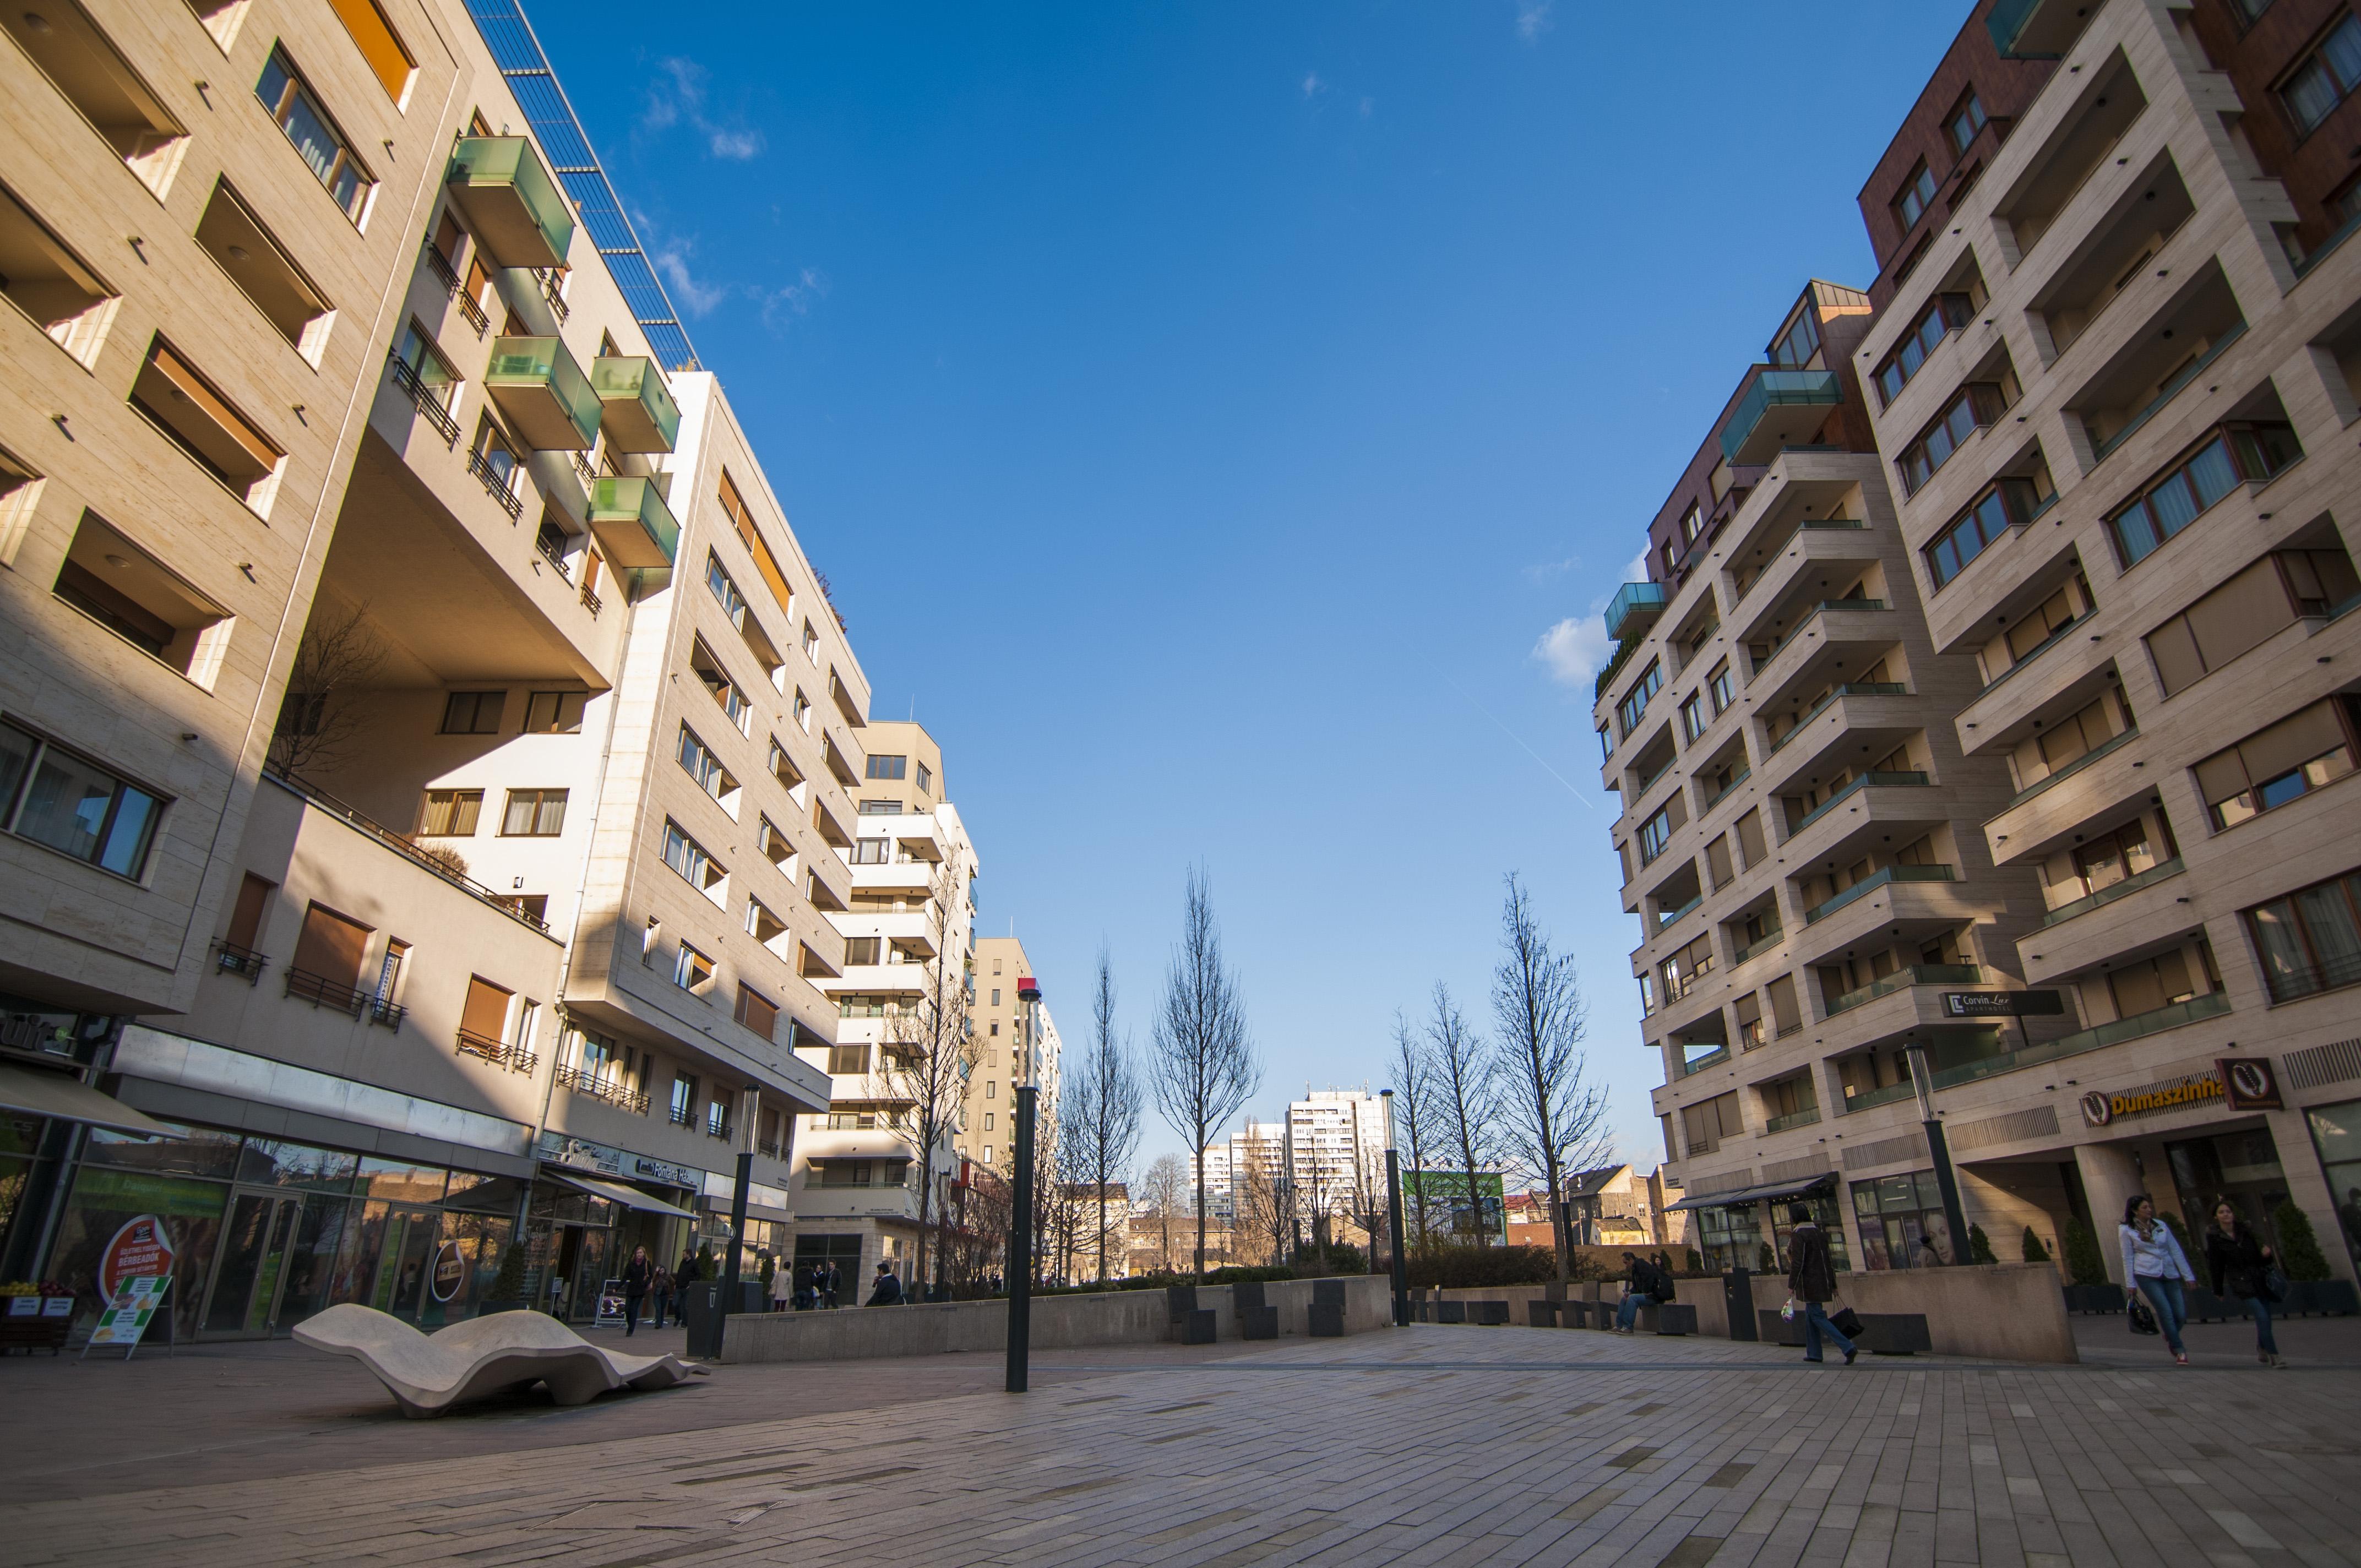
<point>1946,1181</point>
<point>1020,1227</point>
<point>1394,1202</point>
<point>750,1106</point>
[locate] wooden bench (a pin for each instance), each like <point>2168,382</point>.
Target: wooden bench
<point>1882,1333</point>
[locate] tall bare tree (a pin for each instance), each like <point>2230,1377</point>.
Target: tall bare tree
<point>1164,1189</point>
<point>930,1049</point>
<point>1263,1198</point>
<point>1202,1067</point>
<point>1414,1106</point>
<point>1103,1108</point>
<point>338,653</point>
<point>1552,1122</point>
<point>1466,1100</point>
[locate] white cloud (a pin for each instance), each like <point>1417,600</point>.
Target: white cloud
<point>1533,18</point>
<point>1577,648</point>
<point>1313,84</point>
<point>736,146</point>
<point>678,97</point>
<point>671,259</point>
<point>782,305</point>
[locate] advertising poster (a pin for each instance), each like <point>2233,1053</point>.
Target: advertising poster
<point>1444,1198</point>
<point>141,1248</point>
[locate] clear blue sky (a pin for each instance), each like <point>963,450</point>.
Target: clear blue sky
<point>1205,413</point>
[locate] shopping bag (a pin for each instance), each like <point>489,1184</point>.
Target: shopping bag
<point>2143,1319</point>
<point>1787,1312</point>
<point>1847,1323</point>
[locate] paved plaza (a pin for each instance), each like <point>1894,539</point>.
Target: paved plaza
<point>1432,1446</point>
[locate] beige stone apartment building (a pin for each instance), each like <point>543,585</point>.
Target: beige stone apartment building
<point>428,758</point>
<point>2110,385</point>
<point>1002,1022</point>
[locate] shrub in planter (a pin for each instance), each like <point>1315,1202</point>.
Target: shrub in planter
<point>508,1285</point>
<point>2085,1265</point>
<point>2299,1256</point>
<point>1697,1264</point>
<point>1466,1267</point>
<point>1979,1245</point>
<point>2034,1251</point>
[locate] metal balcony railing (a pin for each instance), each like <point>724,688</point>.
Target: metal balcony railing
<point>1804,1118</point>
<point>501,487</point>
<point>321,992</point>
<point>1909,975</point>
<point>231,959</point>
<point>591,1087</point>
<point>2160,872</point>
<point>440,265</point>
<point>1866,781</point>
<point>499,1053</point>
<point>425,400</point>
<point>1878,879</point>
<point>2116,741</point>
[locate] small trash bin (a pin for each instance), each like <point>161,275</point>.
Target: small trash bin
<point>700,1310</point>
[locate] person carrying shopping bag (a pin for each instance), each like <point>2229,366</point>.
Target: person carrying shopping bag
<point>2236,1257</point>
<point>1812,1280</point>
<point>2155,1264</point>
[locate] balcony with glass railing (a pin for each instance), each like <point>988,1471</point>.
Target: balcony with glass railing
<point>1870,1097</point>
<point>1634,606</point>
<point>1903,979</point>
<point>1866,781</point>
<point>636,409</point>
<point>543,394</point>
<point>1875,880</point>
<point>634,526</point>
<point>2160,872</point>
<point>1780,408</point>
<point>1810,1115</point>
<point>2213,1005</point>
<point>511,205</point>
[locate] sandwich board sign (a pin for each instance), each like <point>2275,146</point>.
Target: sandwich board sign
<point>126,1318</point>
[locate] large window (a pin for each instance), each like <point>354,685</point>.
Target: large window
<point>1917,195</point>
<point>686,856</point>
<point>1978,403</point>
<point>1799,342</point>
<point>2311,939</point>
<point>724,589</point>
<point>56,798</point>
<point>1685,967</point>
<point>2304,752</point>
<point>1823,1206</point>
<point>1708,1123</point>
<point>290,104</point>
<point>1945,315</point>
<point>1730,1237</point>
<point>1635,701</point>
<point>473,713</point>
<point>2235,453</point>
<point>1965,122</point>
<point>1693,719</point>
<point>1900,1217</point>
<point>1719,685</point>
<point>534,814</point>
<point>2320,82</point>
<point>882,767</point>
<point>451,812</point>
<point>1654,834</point>
<point>2009,502</point>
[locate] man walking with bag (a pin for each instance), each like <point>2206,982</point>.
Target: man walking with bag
<point>1812,1280</point>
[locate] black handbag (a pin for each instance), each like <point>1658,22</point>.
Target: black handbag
<point>1847,1323</point>
<point>2143,1319</point>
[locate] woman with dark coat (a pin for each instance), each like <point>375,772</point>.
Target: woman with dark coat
<point>2238,1258</point>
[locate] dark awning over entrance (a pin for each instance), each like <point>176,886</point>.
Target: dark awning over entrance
<point>1739,1197</point>
<point>616,1192</point>
<point>68,1098</point>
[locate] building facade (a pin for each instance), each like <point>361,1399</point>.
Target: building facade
<point>2106,398</point>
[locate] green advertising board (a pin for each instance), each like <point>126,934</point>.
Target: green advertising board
<point>1443,1195</point>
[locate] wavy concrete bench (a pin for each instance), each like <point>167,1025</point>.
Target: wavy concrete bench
<point>429,1374</point>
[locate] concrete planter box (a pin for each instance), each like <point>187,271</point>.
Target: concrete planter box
<point>2097,1300</point>
<point>2321,1298</point>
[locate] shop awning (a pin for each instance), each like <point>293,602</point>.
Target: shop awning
<point>1768,1192</point>
<point>721,1206</point>
<point>68,1098</point>
<point>616,1192</point>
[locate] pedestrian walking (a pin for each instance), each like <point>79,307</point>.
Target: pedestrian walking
<point>2238,1258</point>
<point>889,1291</point>
<point>832,1282</point>
<point>638,1274</point>
<point>1812,1279</point>
<point>783,1283</point>
<point>1641,1286</point>
<point>661,1287</point>
<point>807,1295</point>
<point>2157,1267</point>
<point>686,1273</point>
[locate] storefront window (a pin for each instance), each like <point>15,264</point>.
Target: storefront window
<point>1902,1222</point>
<point>398,1183</point>
<point>1823,1205</point>
<point>105,1199</point>
<point>2242,1167</point>
<point>2336,1134</point>
<point>191,1151</point>
<point>1730,1237</point>
<point>267,1163</point>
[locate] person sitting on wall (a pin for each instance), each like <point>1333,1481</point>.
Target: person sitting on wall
<point>888,1289</point>
<point>1643,1285</point>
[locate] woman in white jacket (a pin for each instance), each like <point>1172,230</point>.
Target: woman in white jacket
<point>2154,1263</point>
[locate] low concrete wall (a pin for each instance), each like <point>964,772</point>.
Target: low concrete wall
<point>1059,1323</point>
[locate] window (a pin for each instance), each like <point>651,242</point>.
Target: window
<point>1917,195</point>
<point>2320,82</point>
<point>50,284</point>
<point>686,856</point>
<point>195,417</point>
<point>2311,939</point>
<point>554,713</point>
<point>389,972</point>
<point>1719,685</point>
<point>1691,523</point>
<point>1693,719</point>
<point>1946,315</point>
<point>1685,967</point>
<point>1799,343</point>
<point>2309,748</point>
<point>450,813</point>
<point>286,101</point>
<point>2010,502</point>
<point>2236,453</point>
<point>2255,603</point>
<point>1898,1216</point>
<point>143,601</point>
<point>725,591</point>
<point>698,761</point>
<point>692,970</point>
<point>379,44</point>
<point>1707,1123</point>
<point>1635,702</point>
<point>726,692</point>
<point>648,940</point>
<point>849,1058</point>
<point>1654,834</point>
<point>871,852</point>
<point>1979,403</point>
<point>996,1030</point>
<point>716,1117</point>
<point>329,952</point>
<point>861,949</point>
<point>887,767</point>
<point>2109,859</point>
<point>990,1089</point>
<point>995,996</point>
<point>925,779</point>
<point>2250,11</point>
<point>881,808</point>
<point>473,713</point>
<point>53,798</point>
<point>757,1011</point>
<point>534,814</point>
<point>684,1097</point>
<point>1965,122</point>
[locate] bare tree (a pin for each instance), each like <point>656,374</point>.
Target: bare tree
<point>1165,1188</point>
<point>1466,1100</point>
<point>930,1049</point>
<point>1048,1188</point>
<point>1414,1106</point>
<point>1103,1119</point>
<point>1550,1120</point>
<point>975,1240</point>
<point>1204,1066</point>
<point>338,652</point>
<point>1262,1193</point>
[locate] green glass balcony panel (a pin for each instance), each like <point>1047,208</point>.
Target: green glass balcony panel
<point>1634,606</point>
<point>1809,1115</point>
<point>635,407</point>
<point>511,205</point>
<point>2213,1005</point>
<point>1872,1096</point>
<point>1912,974</point>
<point>2160,872</point>
<point>1779,409</point>
<point>543,394</point>
<point>1878,879</point>
<point>1711,1058</point>
<point>1866,781</point>
<point>634,526</point>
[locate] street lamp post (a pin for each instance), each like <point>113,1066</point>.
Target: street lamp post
<point>750,1107</point>
<point>1394,1218</point>
<point>1020,1226</point>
